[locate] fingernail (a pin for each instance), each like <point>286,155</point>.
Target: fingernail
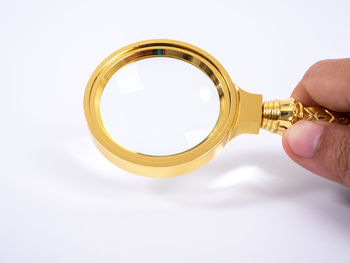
<point>303,138</point>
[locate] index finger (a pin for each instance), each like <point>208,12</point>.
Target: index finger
<point>326,83</point>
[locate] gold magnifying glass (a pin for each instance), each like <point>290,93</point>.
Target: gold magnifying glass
<point>240,112</point>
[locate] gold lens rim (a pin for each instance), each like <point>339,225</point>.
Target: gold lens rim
<point>170,165</point>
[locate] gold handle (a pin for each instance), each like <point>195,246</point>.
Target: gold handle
<point>279,115</point>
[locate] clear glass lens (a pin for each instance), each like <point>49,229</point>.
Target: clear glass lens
<point>159,106</point>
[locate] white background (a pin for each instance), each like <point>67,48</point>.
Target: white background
<point>61,201</point>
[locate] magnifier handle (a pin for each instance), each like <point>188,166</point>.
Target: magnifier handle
<point>279,115</point>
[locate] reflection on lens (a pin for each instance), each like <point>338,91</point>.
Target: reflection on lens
<point>159,106</point>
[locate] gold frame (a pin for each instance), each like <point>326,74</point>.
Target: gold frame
<point>240,112</point>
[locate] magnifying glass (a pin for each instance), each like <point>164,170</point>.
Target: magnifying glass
<point>150,120</point>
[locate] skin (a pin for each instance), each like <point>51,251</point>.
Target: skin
<point>322,147</point>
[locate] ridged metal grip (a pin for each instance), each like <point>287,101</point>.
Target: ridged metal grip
<point>279,115</point>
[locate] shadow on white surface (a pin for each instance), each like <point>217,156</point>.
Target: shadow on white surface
<point>232,179</point>
<point>240,179</point>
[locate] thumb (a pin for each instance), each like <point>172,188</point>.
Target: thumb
<point>321,147</point>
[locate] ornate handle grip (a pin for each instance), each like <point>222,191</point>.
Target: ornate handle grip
<point>279,115</point>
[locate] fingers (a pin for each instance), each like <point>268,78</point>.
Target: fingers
<point>326,83</point>
<point>321,147</point>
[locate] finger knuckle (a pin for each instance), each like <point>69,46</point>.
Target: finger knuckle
<point>342,66</point>
<point>312,75</point>
<point>320,66</point>
<point>329,67</point>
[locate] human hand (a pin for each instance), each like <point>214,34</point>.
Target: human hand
<point>323,147</point>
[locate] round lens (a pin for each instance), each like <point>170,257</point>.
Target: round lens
<point>159,106</point>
